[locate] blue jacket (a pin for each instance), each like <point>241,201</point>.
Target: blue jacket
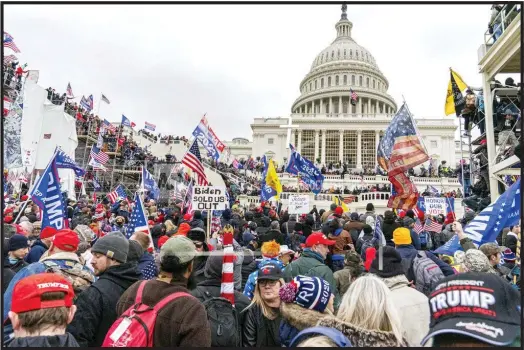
<point>249,289</point>
<point>37,250</point>
<point>147,266</point>
<point>415,240</point>
<point>408,252</point>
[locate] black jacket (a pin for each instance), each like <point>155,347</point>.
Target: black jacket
<point>388,226</point>
<point>289,226</point>
<point>8,275</point>
<point>41,341</point>
<point>20,264</point>
<point>271,235</point>
<point>257,330</point>
<point>37,250</point>
<point>511,242</point>
<point>96,306</point>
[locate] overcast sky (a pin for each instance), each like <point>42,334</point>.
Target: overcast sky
<point>169,64</point>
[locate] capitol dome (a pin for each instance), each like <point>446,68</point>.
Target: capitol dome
<point>342,66</point>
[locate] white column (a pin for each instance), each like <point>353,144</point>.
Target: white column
<point>331,105</point>
<point>322,106</point>
<point>323,156</point>
<point>313,107</point>
<point>341,146</point>
<point>340,105</point>
<point>299,146</point>
<point>359,149</point>
<point>377,140</point>
<point>359,106</point>
<point>377,108</point>
<point>369,106</point>
<point>316,145</point>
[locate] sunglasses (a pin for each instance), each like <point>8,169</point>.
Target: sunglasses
<point>264,283</point>
<point>198,244</point>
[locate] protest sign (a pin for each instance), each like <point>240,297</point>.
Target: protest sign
<point>435,205</point>
<point>298,204</point>
<point>209,198</point>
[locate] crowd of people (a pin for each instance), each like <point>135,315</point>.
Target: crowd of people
<point>327,278</point>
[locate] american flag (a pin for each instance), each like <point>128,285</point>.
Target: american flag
<point>105,99</point>
<point>107,125</point>
<point>87,103</point>
<point>432,226</point>
<point>138,219</point>
<point>418,227</point>
<point>150,126</point>
<point>118,194</point>
<point>353,96</point>
<point>69,90</point>
<point>47,136</point>
<point>10,58</point>
<point>98,155</point>
<point>96,165</point>
<point>193,161</point>
<point>10,43</point>
<point>7,105</point>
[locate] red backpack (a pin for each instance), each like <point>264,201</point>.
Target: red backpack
<point>135,327</point>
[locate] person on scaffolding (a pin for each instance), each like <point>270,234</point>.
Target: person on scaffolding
<point>469,111</point>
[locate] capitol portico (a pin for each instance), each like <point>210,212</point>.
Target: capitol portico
<point>328,127</point>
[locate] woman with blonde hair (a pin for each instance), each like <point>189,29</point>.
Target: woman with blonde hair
<point>262,316</point>
<point>367,316</point>
<point>170,227</point>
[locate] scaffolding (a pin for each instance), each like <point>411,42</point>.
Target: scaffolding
<point>500,53</point>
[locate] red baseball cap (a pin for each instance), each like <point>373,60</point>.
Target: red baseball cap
<point>318,238</point>
<point>339,211</point>
<point>24,198</point>
<point>27,293</point>
<point>151,223</point>
<point>48,232</point>
<point>161,241</point>
<point>187,217</point>
<point>8,219</point>
<point>66,240</point>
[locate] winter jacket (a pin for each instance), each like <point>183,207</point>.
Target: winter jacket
<point>237,264</point>
<point>363,338</point>
<point>156,233</point>
<point>343,280</point>
<point>415,240</point>
<point>249,265</point>
<point>296,318</point>
<point>364,216</point>
<point>412,307</point>
<point>442,237</point>
<point>257,330</point>
<point>181,323</point>
<point>45,341</point>
<point>7,276</point>
<point>37,250</point>
<point>249,289</point>
<point>19,265</point>
<point>512,241</point>
<point>307,227</point>
<point>96,306</point>
<point>354,228</point>
<point>147,266</point>
<point>342,238</point>
<point>289,226</point>
<point>312,264</point>
<point>271,235</point>
<point>388,226</point>
<point>210,288</point>
<point>326,215</point>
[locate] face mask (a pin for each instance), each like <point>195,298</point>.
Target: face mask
<point>13,261</point>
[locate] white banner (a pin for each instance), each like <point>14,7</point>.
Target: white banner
<point>435,206</point>
<point>298,204</point>
<point>209,198</point>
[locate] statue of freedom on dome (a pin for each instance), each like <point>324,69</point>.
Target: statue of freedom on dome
<point>344,9</point>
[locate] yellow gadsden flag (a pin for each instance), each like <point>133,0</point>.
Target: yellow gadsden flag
<point>456,87</point>
<point>340,203</point>
<point>272,178</point>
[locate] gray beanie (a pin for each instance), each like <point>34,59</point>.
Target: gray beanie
<point>113,245</point>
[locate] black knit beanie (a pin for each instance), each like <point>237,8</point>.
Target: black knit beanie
<point>391,263</point>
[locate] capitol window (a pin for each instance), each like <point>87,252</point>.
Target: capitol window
<point>270,141</point>
<point>360,81</point>
<point>367,82</point>
<point>353,80</point>
<point>315,84</point>
<point>350,53</point>
<point>332,54</point>
<point>345,79</point>
<point>345,51</point>
<point>329,81</point>
<point>356,52</point>
<point>310,86</point>
<point>373,83</point>
<point>336,80</point>
<point>338,53</point>
<point>321,83</point>
<point>434,144</point>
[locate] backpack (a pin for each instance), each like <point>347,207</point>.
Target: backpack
<point>423,237</point>
<point>223,321</point>
<point>427,273</point>
<point>135,327</point>
<point>367,242</point>
<point>79,277</point>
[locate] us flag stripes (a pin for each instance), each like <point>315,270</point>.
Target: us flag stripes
<point>98,155</point>
<point>10,43</point>
<point>432,226</point>
<point>193,161</point>
<point>69,90</point>
<point>418,227</point>
<point>118,194</point>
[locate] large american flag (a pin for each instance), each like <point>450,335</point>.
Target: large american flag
<point>9,42</point>
<point>138,219</point>
<point>432,226</point>
<point>107,125</point>
<point>10,58</point>
<point>353,95</point>
<point>118,194</point>
<point>193,161</point>
<point>98,155</point>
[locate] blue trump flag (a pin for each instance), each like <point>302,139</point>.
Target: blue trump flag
<point>63,161</point>
<point>47,195</point>
<point>485,227</point>
<point>149,184</point>
<point>203,134</point>
<point>308,172</point>
<point>266,192</point>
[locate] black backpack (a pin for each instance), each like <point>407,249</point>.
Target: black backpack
<point>223,321</point>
